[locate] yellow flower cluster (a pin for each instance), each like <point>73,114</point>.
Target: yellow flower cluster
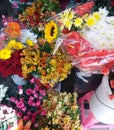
<point>62,111</point>
<point>69,19</point>
<point>49,68</point>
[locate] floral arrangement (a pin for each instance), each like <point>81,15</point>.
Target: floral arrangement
<point>62,111</point>
<point>40,62</point>
<point>91,50</point>
<point>36,14</point>
<point>27,101</point>
<point>13,38</point>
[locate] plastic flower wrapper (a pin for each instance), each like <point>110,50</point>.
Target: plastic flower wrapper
<point>62,111</point>
<point>90,46</point>
<point>27,101</point>
<point>13,38</point>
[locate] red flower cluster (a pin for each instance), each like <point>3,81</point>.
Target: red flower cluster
<point>11,66</point>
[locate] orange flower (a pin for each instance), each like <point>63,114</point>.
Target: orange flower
<point>22,127</point>
<point>13,29</point>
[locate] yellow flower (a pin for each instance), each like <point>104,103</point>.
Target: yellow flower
<point>78,22</point>
<point>29,42</point>
<point>91,21</point>
<point>51,31</point>
<point>18,46</point>
<point>11,44</point>
<point>68,23</point>
<point>97,16</point>
<point>5,54</point>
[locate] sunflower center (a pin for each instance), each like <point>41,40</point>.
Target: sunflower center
<point>52,31</point>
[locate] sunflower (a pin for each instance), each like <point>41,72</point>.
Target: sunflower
<point>51,31</point>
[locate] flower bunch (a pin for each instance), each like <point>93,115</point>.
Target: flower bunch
<point>8,117</point>
<point>12,65</point>
<point>13,38</point>
<point>88,44</point>
<point>102,39</point>
<point>62,111</point>
<point>35,15</point>
<point>40,61</point>
<point>28,99</point>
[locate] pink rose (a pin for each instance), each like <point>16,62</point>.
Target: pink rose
<point>20,104</point>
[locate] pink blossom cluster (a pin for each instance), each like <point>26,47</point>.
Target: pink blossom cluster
<point>29,99</point>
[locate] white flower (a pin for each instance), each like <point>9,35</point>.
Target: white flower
<point>27,34</point>
<point>3,90</point>
<point>101,35</point>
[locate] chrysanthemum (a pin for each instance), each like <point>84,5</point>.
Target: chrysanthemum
<point>78,22</point>
<point>5,54</point>
<point>90,21</point>
<point>51,31</point>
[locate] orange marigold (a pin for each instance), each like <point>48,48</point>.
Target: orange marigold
<point>13,29</point>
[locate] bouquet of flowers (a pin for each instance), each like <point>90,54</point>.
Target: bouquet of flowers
<point>27,102</point>
<point>62,111</point>
<point>87,42</point>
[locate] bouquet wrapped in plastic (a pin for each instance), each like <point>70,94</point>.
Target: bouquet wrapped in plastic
<point>89,41</point>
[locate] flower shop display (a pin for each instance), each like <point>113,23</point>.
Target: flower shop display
<point>87,42</point>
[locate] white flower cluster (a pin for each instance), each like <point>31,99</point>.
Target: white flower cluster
<point>3,90</point>
<point>7,114</point>
<point>27,34</point>
<point>101,35</point>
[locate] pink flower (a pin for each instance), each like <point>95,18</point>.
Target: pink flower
<point>36,125</point>
<point>43,92</point>
<point>26,118</point>
<point>12,99</point>
<point>24,109</point>
<point>21,99</point>
<point>31,98</point>
<point>34,115</point>
<point>29,113</point>
<point>29,91</point>
<point>30,102</point>
<point>19,87</point>
<point>38,103</point>
<point>32,80</point>
<point>35,95</point>
<point>36,88</point>
<point>43,113</point>
<point>20,104</point>
<point>19,114</point>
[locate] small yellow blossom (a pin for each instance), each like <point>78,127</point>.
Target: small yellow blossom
<point>29,42</point>
<point>90,21</point>
<point>97,16</point>
<point>78,22</point>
